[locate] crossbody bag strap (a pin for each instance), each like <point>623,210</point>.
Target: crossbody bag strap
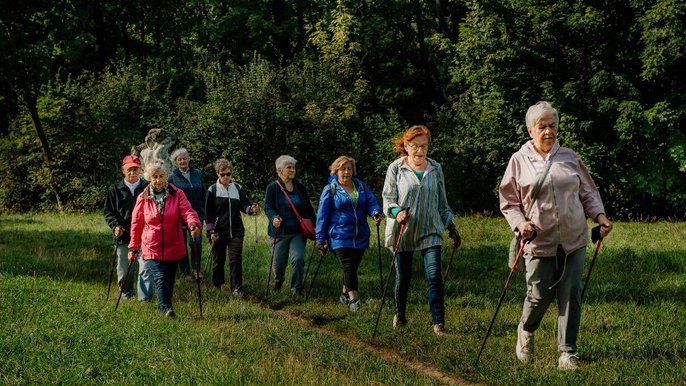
<point>289,199</point>
<point>539,183</point>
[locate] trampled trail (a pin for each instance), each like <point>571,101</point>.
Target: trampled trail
<point>419,367</point>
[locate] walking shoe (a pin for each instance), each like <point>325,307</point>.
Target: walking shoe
<point>398,321</point>
<point>355,305</point>
<point>568,361</point>
<point>237,293</point>
<point>170,313</point>
<point>277,285</point>
<point>439,329</point>
<point>525,345</point>
<point>344,298</point>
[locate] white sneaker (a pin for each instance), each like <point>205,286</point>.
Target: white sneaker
<point>568,361</point>
<point>525,345</point>
<point>439,329</point>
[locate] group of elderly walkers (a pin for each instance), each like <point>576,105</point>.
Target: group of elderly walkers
<point>546,195</point>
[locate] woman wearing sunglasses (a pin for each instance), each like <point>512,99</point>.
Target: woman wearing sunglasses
<point>224,203</point>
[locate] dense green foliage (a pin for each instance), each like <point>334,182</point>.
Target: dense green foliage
<point>59,330</point>
<point>82,81</point>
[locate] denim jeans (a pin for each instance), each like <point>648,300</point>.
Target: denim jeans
<point>547,277</point>
<point>293,245</point>
<point>195,248</point>
<point>432,274</point>
<point>165,275</point>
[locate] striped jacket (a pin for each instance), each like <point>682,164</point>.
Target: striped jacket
<point>429,212</point>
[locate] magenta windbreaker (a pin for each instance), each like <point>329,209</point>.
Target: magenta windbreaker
<point>161,237</point>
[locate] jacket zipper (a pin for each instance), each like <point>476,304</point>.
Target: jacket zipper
<point>354,213</point>
<point>230,216</point>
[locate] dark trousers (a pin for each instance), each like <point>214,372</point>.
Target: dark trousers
<point>195,250</point>
<point>235,247</point>
<point>350,259</point>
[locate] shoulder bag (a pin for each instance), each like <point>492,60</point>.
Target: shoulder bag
<point>306,224</point>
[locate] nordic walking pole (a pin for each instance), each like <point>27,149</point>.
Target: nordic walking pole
<point>257,250</point>
<point>197,273</point>
<point>210,262</point>
<point>309,263</point>
<point>114,264</point>
<point>269,277</point>
<point>388,278</point>
<point>126,279</point>
<point>378,248</point>
<point>450,262</point>
<point>596,238</point>
<point>502,295</point>
<point>314,276</point>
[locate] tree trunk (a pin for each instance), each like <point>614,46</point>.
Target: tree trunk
<point>300,18</point>
<point>30,101</point>
<point>282,42</point>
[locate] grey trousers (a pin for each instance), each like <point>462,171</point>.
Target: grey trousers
<point>547,277</point>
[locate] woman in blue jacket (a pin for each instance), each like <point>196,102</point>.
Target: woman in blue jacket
<point>342,225</point>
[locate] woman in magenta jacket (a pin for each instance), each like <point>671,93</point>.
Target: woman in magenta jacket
<point>156,223</point>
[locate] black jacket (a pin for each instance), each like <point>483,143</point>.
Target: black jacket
<point>119,205</point>
<point>223,208</point>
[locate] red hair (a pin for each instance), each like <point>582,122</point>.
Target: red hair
<point>411,133</point>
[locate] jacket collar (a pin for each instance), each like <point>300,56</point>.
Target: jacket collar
<point>529,150</point>
<point>430,164</point>
<point>170,191</point>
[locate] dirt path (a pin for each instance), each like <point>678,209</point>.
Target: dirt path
<point>384,353</point>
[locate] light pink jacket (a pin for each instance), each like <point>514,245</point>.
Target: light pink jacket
<point>161,237</point>
<point>567,197</point>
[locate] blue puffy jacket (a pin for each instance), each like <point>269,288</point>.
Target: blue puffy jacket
<point>340,223</point>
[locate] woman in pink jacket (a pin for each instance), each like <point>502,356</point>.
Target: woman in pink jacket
<point>156,226</point>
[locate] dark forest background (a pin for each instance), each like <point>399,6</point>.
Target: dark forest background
<point>83,80</point>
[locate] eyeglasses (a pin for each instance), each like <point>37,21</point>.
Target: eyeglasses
<point>227,174</point>
<point>414,147</point>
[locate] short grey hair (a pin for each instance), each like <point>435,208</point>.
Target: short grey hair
<point>536,111</point>
<point>154,167</point>
<point>178,153</point>
<point>222,164</point>
<point>284,161</point>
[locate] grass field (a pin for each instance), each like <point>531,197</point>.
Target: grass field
<point>57,329</point>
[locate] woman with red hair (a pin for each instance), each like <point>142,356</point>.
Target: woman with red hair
<point>414,195</point>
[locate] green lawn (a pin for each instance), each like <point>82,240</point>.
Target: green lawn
<point>57,328</point>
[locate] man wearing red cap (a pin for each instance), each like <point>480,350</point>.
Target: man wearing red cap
<point>119,203</point>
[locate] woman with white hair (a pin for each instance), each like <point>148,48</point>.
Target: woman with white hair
<point>156,226</point>
<point>189,179</point>
<point>554,259</point>
<point>284,227</point>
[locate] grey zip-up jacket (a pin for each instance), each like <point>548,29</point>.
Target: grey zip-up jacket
<point>568,195</point>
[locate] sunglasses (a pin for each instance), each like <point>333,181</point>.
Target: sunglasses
<point>225,174</point>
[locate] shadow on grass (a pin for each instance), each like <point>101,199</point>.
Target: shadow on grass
<point>62,255</point>
<point>476,277</point>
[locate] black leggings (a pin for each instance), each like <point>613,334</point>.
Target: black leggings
<point>350,259</point>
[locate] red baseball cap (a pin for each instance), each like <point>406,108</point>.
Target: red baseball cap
<point>130,161</point>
